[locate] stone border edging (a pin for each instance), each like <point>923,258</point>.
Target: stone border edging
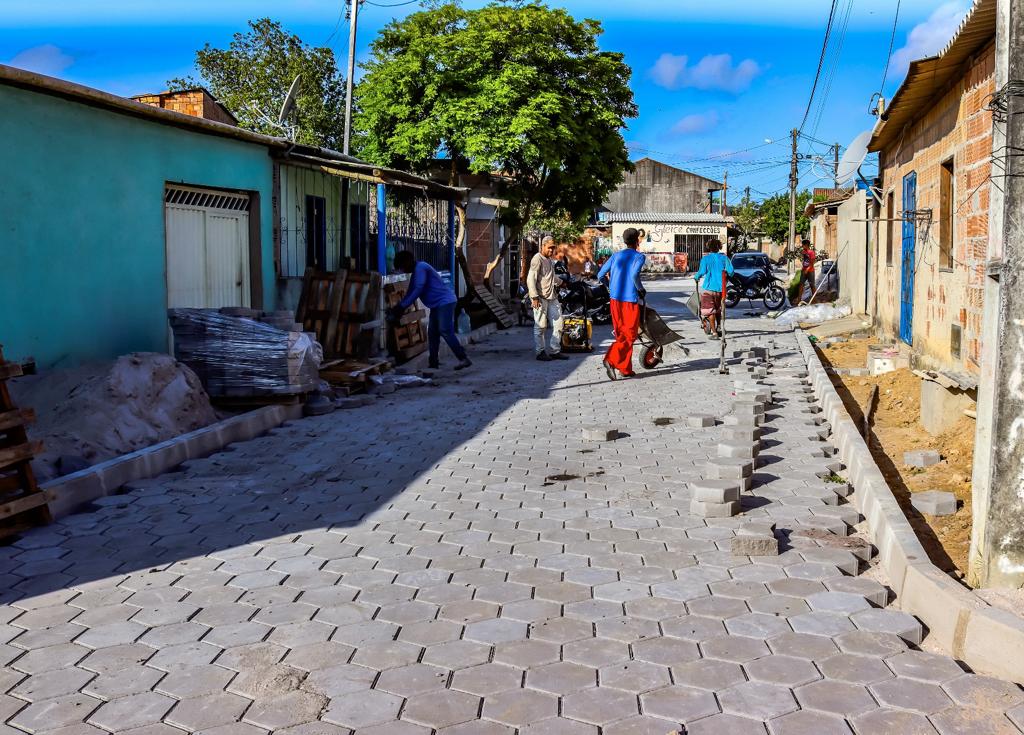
<point>67,494</point>
<point>988,639</point>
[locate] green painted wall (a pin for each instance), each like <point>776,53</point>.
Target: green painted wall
<point>82,263</point>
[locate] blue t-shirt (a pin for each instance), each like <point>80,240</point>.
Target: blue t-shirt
<point>624,267</point>
<point>711,267</point>
<point>427,286</point>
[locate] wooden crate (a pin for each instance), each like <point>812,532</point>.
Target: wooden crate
<point>407,337</point>
<point>22,504</point>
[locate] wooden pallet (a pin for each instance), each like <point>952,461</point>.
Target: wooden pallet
<point>407,336</point>
<point>22,504</point>
<point>341,309</point>
<point>352,376</point>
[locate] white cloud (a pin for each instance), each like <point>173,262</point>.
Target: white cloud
<point>929,37</point>
<point>714,71</point>
<point>696,123</point>
<point>46,59</point>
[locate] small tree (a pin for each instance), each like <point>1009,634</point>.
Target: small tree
<point>774,214</point>
<point>515,88</point>
<point>254,73</point>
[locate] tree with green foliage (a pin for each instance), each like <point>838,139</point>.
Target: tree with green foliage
<point>252,76</point>
<point>518,89</point>
<point>774,214</point>
<point>747,216</point>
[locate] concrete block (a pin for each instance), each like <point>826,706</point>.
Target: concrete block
<point>757,528</point>
<point>714,510</point>
<point>734,420</point>
<point>942,407</point>
<point>750,434</point>
<point>921,458</point>
<point>879,363</point>
<point>600,434</point>
<point>700,420</point>
<point>715,491</point>
<point>729,468</point>
<point>941,603</point>
<point>755,546</point>
<point>934,502</point>
<point>745,450</point>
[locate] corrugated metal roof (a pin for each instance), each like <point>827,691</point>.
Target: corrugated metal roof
<point>659,217</point>
<point>928,77</point>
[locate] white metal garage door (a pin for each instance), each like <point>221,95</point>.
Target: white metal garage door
<point>207,248</point>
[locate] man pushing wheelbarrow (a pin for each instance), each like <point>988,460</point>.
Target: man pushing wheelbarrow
<point>631,318</point>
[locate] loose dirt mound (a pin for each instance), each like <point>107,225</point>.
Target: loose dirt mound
<point>96,412</point>
<point>897,429</point>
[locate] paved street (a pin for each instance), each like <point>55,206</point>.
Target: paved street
<point>459,560</point>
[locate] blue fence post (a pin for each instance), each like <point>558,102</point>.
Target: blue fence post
<point>451,246</point>
<point>382,229</point>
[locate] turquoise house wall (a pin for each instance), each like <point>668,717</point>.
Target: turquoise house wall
<point>82,261</point>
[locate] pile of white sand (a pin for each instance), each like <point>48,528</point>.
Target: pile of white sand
<point>98,411</point>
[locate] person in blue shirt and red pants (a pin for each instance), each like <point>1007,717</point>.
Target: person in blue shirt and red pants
<point>623,270</point>
<point>427,286</point>
<point>713,269</point>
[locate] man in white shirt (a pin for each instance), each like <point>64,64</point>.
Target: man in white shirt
<point>543,283</point>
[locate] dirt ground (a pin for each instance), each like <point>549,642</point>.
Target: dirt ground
<point>897,429</point>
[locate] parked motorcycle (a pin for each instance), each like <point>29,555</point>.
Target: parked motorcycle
<point>580,296</point>
<point>763,284</point>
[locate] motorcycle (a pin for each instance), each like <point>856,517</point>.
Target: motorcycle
<point>763,284</point>
<point>582,298</point>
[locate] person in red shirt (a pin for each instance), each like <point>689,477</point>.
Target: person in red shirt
<point>809,256</point>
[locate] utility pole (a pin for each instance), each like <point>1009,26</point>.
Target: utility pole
<point>725,195</point>
<point>793,173</point>
<point>835,158</point>
<point>746,196</point>
<point>997,542</point>
<point>354,17</point>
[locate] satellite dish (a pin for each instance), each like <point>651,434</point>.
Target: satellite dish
<point>854,156</point>
<point>289,101</point>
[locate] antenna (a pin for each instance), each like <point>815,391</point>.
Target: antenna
<point>854,156</point>
<point>288,106</point>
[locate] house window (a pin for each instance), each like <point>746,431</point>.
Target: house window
<point>316,233</point>
<point>946,215</point>
<point>680,243</point>
<point>890,225</point>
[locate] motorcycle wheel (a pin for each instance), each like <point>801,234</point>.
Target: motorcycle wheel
<point>732,297</point>
<point>651,358</point>
<point>774,297</point>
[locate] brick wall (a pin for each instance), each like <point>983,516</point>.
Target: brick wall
<point>480,248</point>
<point>194,102</point>
<point>956,127</point>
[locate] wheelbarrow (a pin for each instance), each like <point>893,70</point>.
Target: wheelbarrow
<point>654,335</point>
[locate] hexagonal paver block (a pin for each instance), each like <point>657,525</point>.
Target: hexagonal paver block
<point>525,654</point>
<point>734,648</point>
<point>679,703</point>
<point>339,680</point>
<point>557,726</point>
<point>600,706</point>
<point>757,700</point>
<point>889,621</point>
<point>496,631</point>
<point>781,605</point>
<point>626,629</point>
<point>561,677</point>
<point>52,713</point>
<point>984,692</point>
<point>519,707</point>
<point>635,676</point>
<point>136,710</point>
<point>894,721</point>
<point>866,643</point>
<point>854,669</point>
<point>621,591</point>
<point>925,666</point>
<point>456,655</point>
<point>822,623</point>
<point>910,694</point>
<point>561,630</point>
<point>971,720</point>
<point>408,681</point>
<point>757,625</point>
<point>837,697</point>
<point>694,628</point>
<point>807,722</point>
<point>725,725</point>
<point>52,684</point>
<point>441,709</point>
<point>278,711</point>
<point>666,651</point>
<point>708,674</point>
<point>363,709</point>
<point>487,679</point>
<point>843,603</point>
<point>386,655</point>
<point>786,670</point>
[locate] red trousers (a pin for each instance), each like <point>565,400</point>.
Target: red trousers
<point>626,321</point>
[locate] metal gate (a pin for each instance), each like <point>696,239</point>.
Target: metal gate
<point>207,242</point>
<point>909,260</point>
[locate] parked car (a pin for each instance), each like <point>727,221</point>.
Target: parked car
<point>749,263</point>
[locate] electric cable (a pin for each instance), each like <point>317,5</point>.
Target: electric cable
<point>821,61</point>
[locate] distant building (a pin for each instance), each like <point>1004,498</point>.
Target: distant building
<point>657,187</point>
<point>672,241</point>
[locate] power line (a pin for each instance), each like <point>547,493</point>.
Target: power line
<point>833,68</point>
<point>391,5</point>
<point>821,62</point>
<point>892,42</point>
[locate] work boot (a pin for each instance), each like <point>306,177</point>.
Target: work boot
<point>433,364</point>
<point>463,364</point>
<point>558,356</point>
<point>543,357</point>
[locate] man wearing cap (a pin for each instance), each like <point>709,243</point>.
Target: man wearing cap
<point>623,271</point>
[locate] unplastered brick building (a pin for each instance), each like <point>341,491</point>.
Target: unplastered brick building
<point>195,102</point>
<point>934,142</point>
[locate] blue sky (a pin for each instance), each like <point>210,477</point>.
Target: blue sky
<point>711,77</point>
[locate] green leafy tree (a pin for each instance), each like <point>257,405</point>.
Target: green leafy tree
<point>518,89</point>
<point>748,217</point>
<point>774,214</point>
<point>252,76</point>
<point>560,226</point>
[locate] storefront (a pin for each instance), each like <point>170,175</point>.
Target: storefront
<point>673,241</point>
